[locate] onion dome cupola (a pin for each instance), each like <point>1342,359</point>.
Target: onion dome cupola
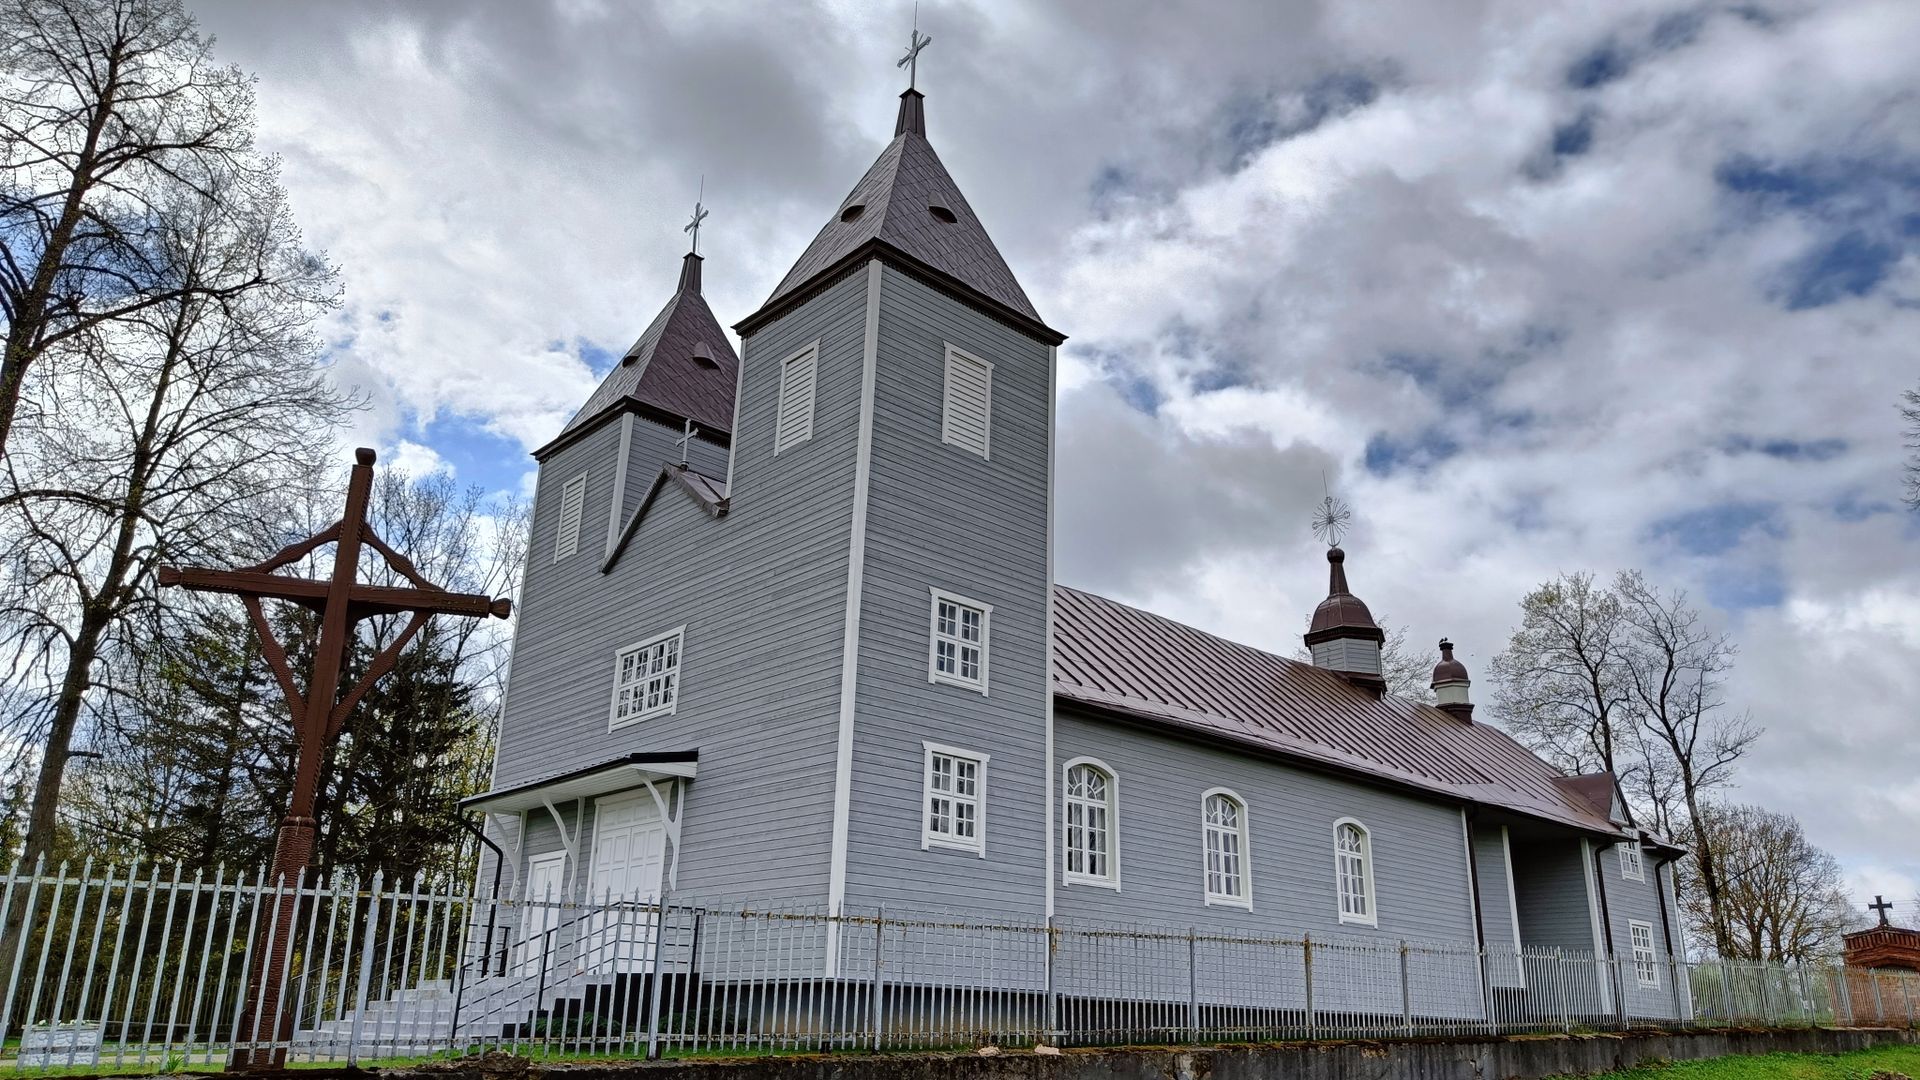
<point>1343,636</point>
<point>909,211</point>
<point>1450,683</point>
<point>681,369</point>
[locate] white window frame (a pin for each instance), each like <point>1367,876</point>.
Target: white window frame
<point>780,396</point>
<point>566,542</point>
<point>1646,959</point>
<point>1372,915</point>
<point>946,396</point>
<point>1631,866</point>
<point>1111,879</point>
<point>928,837</point>
<point>614,720</point>
<point>1243,898</point>
<point>935,637</point>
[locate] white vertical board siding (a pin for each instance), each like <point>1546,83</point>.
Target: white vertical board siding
<point>966,410</point>
<point>762,595</point>
<point>573,505</point>
<point>794,424</point>
<point>943,517</point>
<point>1638,901</point>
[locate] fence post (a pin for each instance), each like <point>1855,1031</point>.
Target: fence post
<point>1619,977</point>
<point>1053,993</point>
<point>366,973</point>
<point>1560,988</point>
<point>1673,984</point>
<point>1406,993</point>
<point>1193,985</point>
<point>878,985</point>
<point>1845,997</point>
<point>1306,959</point>
<point>655,990</point>
<point>1766,999</point>
<point>1879,1005</point>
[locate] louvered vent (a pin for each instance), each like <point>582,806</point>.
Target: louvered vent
<point>573,503</point>
<point>796,400</point>
<point>968,402</point>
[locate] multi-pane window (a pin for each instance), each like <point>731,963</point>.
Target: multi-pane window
<point>959,653</point>
<point>1646,962</point>
<point>1630,862</point>
<point>647,679</point>
<point>1223,820</point>
<point>1353,871</point>
<point>955,783</point>
<point>1089,824</point>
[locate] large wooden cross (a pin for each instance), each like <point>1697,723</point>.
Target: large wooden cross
<point>320,712</point>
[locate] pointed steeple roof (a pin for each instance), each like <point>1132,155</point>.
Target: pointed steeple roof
<point>908,206</point>
<point>682,368</point>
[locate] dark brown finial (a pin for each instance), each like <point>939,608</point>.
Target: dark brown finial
<point>364,455</point>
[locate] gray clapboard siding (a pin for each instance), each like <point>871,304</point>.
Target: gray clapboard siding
<point>1550,883</point>
<point>761,593</point>
<point>1630,901</point>
<point>1497,917</point>
<point>1420,861</point>
<point>940,516</point>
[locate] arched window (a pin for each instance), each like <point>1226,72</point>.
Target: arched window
<point>1353,871</point>
<point>1089,824</point>
<point>1223,824</point>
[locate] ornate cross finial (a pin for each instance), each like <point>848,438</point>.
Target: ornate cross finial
<point>1331,518</point>
<point>1880,905</point>
<point>699,215</point>
<point>686,440</point>
<point>915,43</point>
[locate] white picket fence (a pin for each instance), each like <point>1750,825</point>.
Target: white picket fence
<point>147,967</point>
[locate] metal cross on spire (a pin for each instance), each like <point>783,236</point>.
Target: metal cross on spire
<point>699,215</point>
<point>915,43</point>
<point>1880,905</point>
<point>1332,518</point>
<point>686,440</point>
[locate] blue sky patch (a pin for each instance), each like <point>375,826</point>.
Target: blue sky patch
<point>1786,449</point>
<point>1851,264</point>
<point>1717,529</point>
<point>1251,124</point>
<point>478,455</point>
<point>1861,207</point>
<point>1742,588</point>
<point>1386,454</point>
<point>1599,66</point>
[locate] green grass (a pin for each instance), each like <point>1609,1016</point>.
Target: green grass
<point>1857,1065</point>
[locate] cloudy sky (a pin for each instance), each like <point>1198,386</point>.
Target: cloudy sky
<point>1539,287</point>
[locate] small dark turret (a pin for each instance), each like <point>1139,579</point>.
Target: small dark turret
<point>1343,636</point>
<point>1450,684</point>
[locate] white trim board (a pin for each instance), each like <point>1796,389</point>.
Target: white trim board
<point>850,631</point>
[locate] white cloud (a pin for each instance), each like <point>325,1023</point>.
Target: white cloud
<point>1559,354</point>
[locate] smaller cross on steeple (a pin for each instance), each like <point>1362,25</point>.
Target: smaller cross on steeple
<point>1880,905</point>
<point>699,215</point>
<point>686,440</point>
<point>915,43</point>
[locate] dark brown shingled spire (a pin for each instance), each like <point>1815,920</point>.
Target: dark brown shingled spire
<point>690,274</point>
<point>909,211</point>
<point>913,114</point>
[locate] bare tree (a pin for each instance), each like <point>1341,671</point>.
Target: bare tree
<point>173,433</point>
<point>1782,897</point>
<point>1910,412</point>
<point>1678,667</point>
<point>1562,685</point>
<point>110,110</point>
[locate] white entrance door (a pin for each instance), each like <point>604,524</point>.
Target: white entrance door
<point>545,879</point>
<point>629,858</point>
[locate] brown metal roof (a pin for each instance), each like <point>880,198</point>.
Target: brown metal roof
<point>682,364</point>
<point>909,202</point>
<point>1114,658</point>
